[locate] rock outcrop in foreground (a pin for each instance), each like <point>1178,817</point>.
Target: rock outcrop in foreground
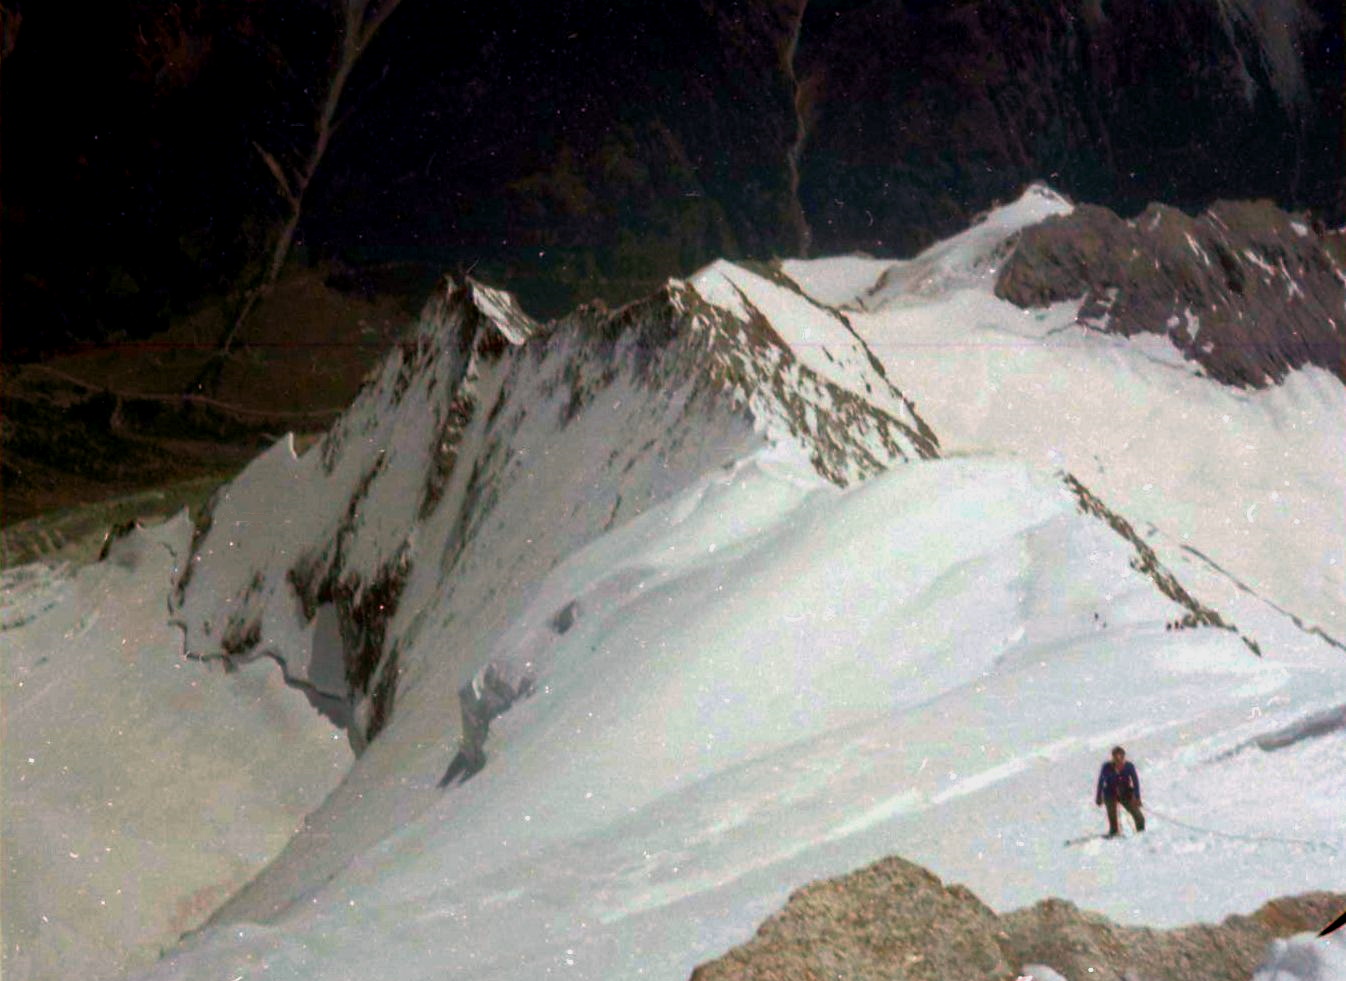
<point>894,921</point>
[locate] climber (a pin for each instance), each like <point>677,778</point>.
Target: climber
<point>1118,783</point>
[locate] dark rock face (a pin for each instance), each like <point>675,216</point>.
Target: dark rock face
<point>1245,290</point>
<point>924,110</point>
<point>572,149</point>
<point>894,921</point>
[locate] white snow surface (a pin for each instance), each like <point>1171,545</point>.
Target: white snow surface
<point>1254,479</point>
<point>757,636</point>
<point>770,680</point>
<point>140,788</point>
<point>968,260</point>
<point>1040,972</point>
<point>1305,958</point>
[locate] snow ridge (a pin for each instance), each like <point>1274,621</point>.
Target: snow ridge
<point>419,432</point>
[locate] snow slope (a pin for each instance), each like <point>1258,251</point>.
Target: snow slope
<point>768,679</point>
<point>140,788</point>
<point>639,620</point>
<point>488,449</point>
<point>1251,478</point>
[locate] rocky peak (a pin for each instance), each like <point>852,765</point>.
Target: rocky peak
<point>895,920</point>
<point>426,486</point>
<point>1244,289</point>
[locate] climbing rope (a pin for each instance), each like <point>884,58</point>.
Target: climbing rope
<point>1237,837</point>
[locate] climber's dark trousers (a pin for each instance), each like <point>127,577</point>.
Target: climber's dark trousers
<point>1132,808</point>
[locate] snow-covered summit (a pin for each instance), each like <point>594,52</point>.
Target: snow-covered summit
<point>972,258</point>
<point>481,422</point>
<point>490,447</point>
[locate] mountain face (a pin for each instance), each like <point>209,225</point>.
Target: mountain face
<point>470,414</point>
<point>478,404</point>
<point>657,547</point>
<point>925,113</point>
<point>573,152</point>
<point>629,622</point>
<point>1243,290</point>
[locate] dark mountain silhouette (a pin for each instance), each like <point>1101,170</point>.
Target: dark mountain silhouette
<point>574,149</point>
